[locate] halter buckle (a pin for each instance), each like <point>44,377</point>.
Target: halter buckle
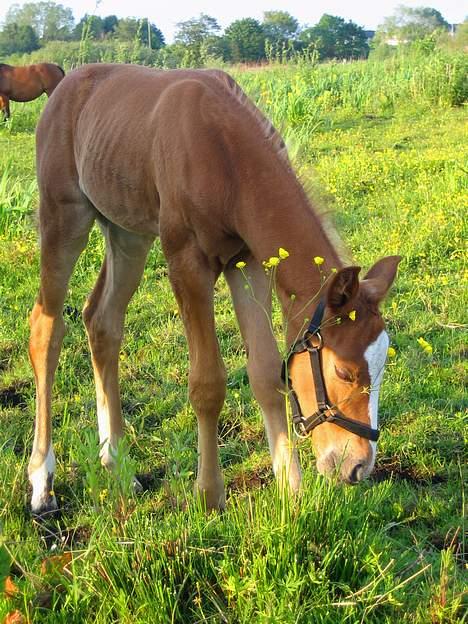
<point>308,337</point>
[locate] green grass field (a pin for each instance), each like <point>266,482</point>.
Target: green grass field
<point>388,154</point>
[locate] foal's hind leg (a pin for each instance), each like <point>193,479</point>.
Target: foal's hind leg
<point>64,232</point>
<point>193,281</point>
<point>103,316</point>
<point>264,365</point>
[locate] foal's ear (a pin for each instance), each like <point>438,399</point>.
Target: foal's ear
<point>380,277</point>
<point>343,287</point>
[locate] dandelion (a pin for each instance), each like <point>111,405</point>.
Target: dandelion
<point>391,352</point>
<point>273,261</point>
<point>282,253</point>
<point>240,264</point>
<point>334,270</point>
<point>318,260</point>
<point>425,346</point>
<point>352,315</point>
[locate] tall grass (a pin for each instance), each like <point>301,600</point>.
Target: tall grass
<point>390,550</point>
<point>296,95</point>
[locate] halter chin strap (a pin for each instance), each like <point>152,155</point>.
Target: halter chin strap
<point>325,412</point>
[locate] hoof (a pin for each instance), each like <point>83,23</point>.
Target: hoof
<point>44,507</point>
<point>212,499</point>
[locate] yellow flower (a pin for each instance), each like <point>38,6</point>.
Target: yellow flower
<point>425,345</point>
<point>334,270</point>
<point>318,260</point>
<point>352,315</point>
<point>282,253</point>
<point>240,265</point>
<point>391,352</point>
<point>273,261</point>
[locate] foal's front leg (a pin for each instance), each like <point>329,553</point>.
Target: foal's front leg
<point>253,310</point>
<point>193,281</point>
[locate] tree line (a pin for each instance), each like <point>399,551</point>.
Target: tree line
<point>33,25</point>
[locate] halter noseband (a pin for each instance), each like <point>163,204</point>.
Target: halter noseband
<point>325,412</point>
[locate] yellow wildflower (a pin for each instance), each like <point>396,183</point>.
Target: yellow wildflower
<point>391,352</point>
<point>240,265</point>
<point>282,253</point>
<point>273,261</point>
<point>425,345</point>
<point>352,315</point>
<point>318,260</point>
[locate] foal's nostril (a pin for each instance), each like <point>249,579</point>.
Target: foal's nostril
<point>357,473</point>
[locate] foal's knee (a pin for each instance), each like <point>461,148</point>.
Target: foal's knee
<point>104,333</point>
<point>207,393</point>
<point>266,383</point>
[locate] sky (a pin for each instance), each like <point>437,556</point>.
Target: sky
<point>166,14</point>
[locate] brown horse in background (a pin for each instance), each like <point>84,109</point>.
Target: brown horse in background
<point>184,155</point>
<point>23,84</point>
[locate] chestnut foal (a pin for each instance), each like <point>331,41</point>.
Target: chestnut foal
<point>185,155</point>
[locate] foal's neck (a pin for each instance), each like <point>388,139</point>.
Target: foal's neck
<point>280,215</point>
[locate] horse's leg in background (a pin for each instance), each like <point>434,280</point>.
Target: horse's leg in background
<point>264,364</point>
<point>193,280</point>
<point>5,106</point>
<point>103,316</point>
<point>64,225</point>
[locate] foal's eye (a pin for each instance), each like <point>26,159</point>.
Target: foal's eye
<point>344,374</point>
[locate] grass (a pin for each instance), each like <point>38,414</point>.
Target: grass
<point>391,549</point>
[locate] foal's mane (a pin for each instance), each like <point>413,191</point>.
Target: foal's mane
<point>314,195</point>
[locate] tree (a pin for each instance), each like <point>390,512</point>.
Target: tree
<point>246,39</point>
<point>49,20</point>
<point>131,29</point>
<point>333,37</point>
<point>92,25</point>
<point>194,34</point>
<point>279,26</point>
<point>109,24</point>
<point>194,31</point>
<point>17,39</point>
<point>408,24</point>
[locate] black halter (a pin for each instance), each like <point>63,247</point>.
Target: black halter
<point>324,413</point>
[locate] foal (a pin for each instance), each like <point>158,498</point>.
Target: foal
<point>23,84</point>
<point>185,155</point>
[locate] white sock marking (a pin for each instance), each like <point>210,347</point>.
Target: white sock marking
<point>375,355</point>
<point>41,481</point>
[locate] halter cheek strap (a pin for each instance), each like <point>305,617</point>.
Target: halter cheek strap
<point>325,413</point>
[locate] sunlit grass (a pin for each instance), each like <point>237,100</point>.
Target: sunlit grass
<point>388,550</point>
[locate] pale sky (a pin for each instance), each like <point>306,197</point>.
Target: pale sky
<point>366,13</point>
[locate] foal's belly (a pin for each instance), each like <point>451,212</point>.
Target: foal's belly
<point>114,175</point>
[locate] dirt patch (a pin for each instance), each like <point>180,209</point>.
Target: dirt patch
<point>453,541</point>
<point>13,395</point>
<point>391,468</point>
<point>151,481</point>
<point>251,479</point>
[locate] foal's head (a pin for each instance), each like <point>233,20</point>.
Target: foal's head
<point>352,352</point>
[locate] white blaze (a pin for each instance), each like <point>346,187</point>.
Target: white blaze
<point>375,355</point>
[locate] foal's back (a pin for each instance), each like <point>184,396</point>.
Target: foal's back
<point>130,136</point>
